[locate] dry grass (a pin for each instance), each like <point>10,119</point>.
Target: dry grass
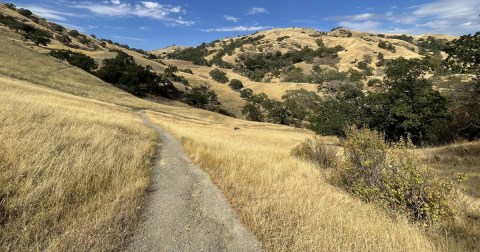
<point>285,201</point>
<point>456,159</point>
<point>73,171</point>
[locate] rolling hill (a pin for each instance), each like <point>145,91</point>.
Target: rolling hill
<point>75,154</point>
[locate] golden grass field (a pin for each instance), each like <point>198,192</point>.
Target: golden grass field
<point>286,202</point>
<point>73,170</point>
<point>74,156</point>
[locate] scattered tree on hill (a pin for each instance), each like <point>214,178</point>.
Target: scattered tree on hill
<point>64,39</point>
<point>56,27</point>
<point>123,72</point>
<point>219,76</point>
<point>246,93</point>
<point>38,37</point>
<point>332,115</point>
<point>77,59</point>
<point>10,6</point>
<point>235,84</point>
<point>202,97</point>
<point>74,33</point>
<point>25,12</point>
<point>385,45</point>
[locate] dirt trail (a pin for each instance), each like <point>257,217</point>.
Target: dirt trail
<point>186,212</point>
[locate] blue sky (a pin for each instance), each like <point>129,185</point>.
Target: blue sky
<point>154,24</point>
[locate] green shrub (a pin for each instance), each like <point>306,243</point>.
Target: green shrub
<point>38,37</point>
<point>236,84</point>
<point>219,76</point>
<point>318,152</point>
<point>25,12</point>
<point>64,39</point>
<point>10,6</point>
<point>391,177</point>
<point>187,71</point>
<point>56,27</point>
<point>246,93</point>
<point>74,33</point>
<point>77,59</point>
<point>374,82</point>
<point>202,97</point>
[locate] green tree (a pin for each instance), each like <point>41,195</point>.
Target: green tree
<point>464,57</point>
<point>64,39</point>
<point>300,104</point>
<point>10,6</point>
<point>202,97</point>
<point>235,84</point>
<point>25,12</point>
<point>219,76</point>
<point>74,33</point>
<point>38,37</point>
<point>410,106</point>
<point>253,109</point>
<point>246,93</point>
<point>334,114</point>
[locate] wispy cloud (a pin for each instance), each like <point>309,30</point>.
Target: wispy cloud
<point>132,38</point>
<point>358,17</point>
<point>362,26</point>
<point>440,16</point>
<point>238,29</point>
<point>231,18</point>
<point>50,13</point>
<point>257,10</point>
<point>147,9</point>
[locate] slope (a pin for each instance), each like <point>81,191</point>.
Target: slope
<point>94,162</point>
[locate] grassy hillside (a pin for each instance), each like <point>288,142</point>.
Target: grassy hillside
<point>75,161</point>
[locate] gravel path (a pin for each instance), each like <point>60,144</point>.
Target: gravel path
<point>186,212</point>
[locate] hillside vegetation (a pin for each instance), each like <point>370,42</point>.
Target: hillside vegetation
<point>75,155</point>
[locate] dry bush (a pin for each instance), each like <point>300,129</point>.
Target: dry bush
<point>392,178</point>
<point>317,151</point>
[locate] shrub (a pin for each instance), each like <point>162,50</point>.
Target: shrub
<point>219,76</point>
<point>374,82</point>
<point>392,178</point>
<point>64,39</point>
<point>56,27</point>
<point>74,33</point>
<point>10,6</point>
<point>236,84</point>
<point>24,12</point>
<point>187,71</point>
<point>246,93</point>
<point>202,97</point>
<point>318,152</point>
<point>79,60</point>
<point>38,37</point>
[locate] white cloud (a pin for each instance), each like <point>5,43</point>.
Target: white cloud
<point>358,17</point>
<point>362,26</point>
<point>231,18</point>
<point>454,17</point>
<point>148,9</point>
<point>132,38</point>
<point>238,29</point>
<point>51,14</point>
<point>257,10</point>
<point>151,5</point>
